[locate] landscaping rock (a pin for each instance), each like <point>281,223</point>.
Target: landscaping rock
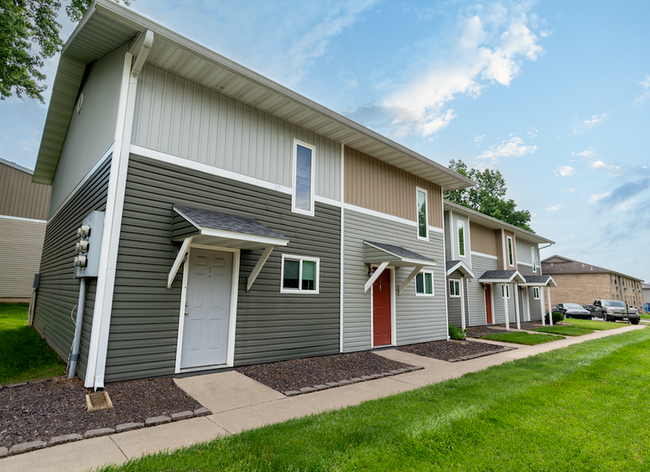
<point>66,438</point>
<point>26,447</point>
<point>292,393</point>
<point>321,387</point>
<point>120,428</point>
<point>157,420</point>
<point>182,415</point>
<point>307,389</point>
<point>4,451</point>
<point>203,411</point>
<point>96,433</point>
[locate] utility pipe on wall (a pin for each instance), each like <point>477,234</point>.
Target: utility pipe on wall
<point>74,358</point>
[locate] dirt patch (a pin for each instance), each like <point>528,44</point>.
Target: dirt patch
<point>54,407</point>
<point>453,351</point>
<point>299,373</point>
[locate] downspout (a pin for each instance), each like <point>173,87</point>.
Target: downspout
<point>76,345</point>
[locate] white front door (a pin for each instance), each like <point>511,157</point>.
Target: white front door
<point>207,309</point>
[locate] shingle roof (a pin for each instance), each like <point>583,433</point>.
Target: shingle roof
<point>400,251</point>
<point>236,224</point>
<point>563,265</point>
<point>501,275</point>
<point>453,266</point>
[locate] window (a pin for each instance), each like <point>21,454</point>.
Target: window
<point>461,239</point>
<point>533,258</point>
<point>303,178</point>
<point>505,291</point>
<point>424,283</point>
<point>423,215</point>
<point>299,274</point>
<point>536,293</point>
<point>511,256</point>
<point>454,288</point>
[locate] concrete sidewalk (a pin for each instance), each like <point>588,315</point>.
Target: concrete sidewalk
<point>239,403</point>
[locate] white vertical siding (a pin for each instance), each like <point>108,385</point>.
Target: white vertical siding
<point>180,117</point>
<point>418,319</point>
<point>92,131</point>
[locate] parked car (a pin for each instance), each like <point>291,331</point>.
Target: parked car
<point>612,310</point>
<point>572,310</point>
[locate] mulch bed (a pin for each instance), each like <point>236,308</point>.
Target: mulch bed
<point>454,351</point>
<point>55,407</point>
<point>299,373</point>
<point>480,331</point>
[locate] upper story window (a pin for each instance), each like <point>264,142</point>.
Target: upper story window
<point>424,283</point>
<point>461,239</point>
<point>511,254</point>
<point>533,257</point>
<point>303,178</point>
<point>423,214</point>
<point>299,274</point>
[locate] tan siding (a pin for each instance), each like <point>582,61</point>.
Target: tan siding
<point>372,184</point>
<point>483,239</point>
<point>580,288</point>
<point>20,197</point>
<point>20,256</point>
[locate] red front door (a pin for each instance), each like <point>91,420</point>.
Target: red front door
<point>381,309</point>
<point>488,303</point>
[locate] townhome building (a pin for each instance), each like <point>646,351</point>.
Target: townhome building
<point>493,270</point>
<point>219,219</point>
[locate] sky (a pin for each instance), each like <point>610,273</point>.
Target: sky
<point>553,94</point>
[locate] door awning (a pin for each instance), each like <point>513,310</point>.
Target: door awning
<point>396,256</point>
<point>539,281</point>
<point>204,228</point>
<point>459,269</point>
<point>502,277</point>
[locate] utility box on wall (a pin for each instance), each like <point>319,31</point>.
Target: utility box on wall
<point>88,248</point>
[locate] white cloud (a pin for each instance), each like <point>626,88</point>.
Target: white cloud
<point>478,139</point>
<point>646,94</point>
<point>545,33</point>
<point>554,208</point>
<point>626,205</point>
<point>586,153</point>
<point>571,190</point>
<point>595,120</point>
<point>597,197</point>
<point>600,165</point>
<point>486,51</point>
<point>533,133</point>
<point>512,148</point>
<point>566,171</point>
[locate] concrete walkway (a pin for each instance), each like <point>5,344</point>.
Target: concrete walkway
<point>239,403</point>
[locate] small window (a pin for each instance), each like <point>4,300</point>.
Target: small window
<point>299,274</point>
<point>454,288</point>
<point>424,283</point>
<point>423,215</point>
<point>511,256</point>
<point>536,293</point>
<point>461,239</point>
<point>303,178</point>
<point>533,258</point>
<point>505,291</point>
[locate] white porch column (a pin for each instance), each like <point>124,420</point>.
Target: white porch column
<point>517,312</point>
<point>550,309</point>
<point>527,297</point>
<point>541,305</point>
<point>462,303</point>
<point>505,288</point>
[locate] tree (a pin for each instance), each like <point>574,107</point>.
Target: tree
<point>488,196</point>
<point>29,33</point>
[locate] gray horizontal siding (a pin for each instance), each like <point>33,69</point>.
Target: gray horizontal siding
<point>92,131</point>
<point>499,314</point>
<point>180,117</point>
<point>59,291</point>
<point>454,305</point>
<point>475,291</point>
<point>418,319</point>
<point>270,326</point>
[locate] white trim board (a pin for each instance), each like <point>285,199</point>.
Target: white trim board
<point>385,216</point>
<point>19,218</point>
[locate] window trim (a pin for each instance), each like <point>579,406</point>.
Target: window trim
<point>461,225</point>
<point>506,291</point>
<point>426,213</point>
<point>294,176</point>
<point>511,251</point>
<point>535,293</point>
<point>300,289</point>
<point>533,256</point>
<point>433,288</point>
<point>457,283</point>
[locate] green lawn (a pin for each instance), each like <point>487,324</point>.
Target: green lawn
<point>519,337</point>
<point>595,325</point>
<point>23,354</point>
<point>565,330</point>
<point>581,408</point>
<point>645,316</point>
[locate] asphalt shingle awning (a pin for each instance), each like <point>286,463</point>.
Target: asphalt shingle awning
<point>396,256</point>
<point>502,277</point>
<point>539,281</point>
<point>459,269</point>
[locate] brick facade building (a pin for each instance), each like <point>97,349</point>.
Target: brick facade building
<point>580,282</point>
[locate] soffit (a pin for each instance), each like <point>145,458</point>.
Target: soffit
<point>108,25</point>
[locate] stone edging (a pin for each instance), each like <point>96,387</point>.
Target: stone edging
<point>341,383</point>
<point>95,433</point>
<point>481,354</point>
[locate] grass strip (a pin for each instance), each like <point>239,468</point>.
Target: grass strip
<point>519,337</point>
<point>565,330</point>
<point>23,354</point>
<point>595,325</point>
<point>577,408</point>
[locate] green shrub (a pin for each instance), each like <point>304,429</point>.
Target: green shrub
<point>557,317</point>
<point>457,333</point>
